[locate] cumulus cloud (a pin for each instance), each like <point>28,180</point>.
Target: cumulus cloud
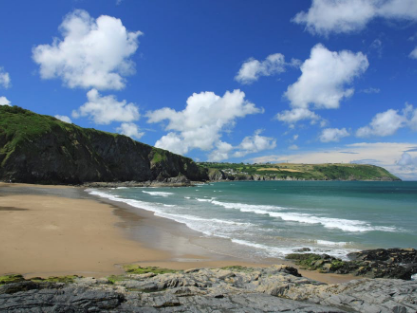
<point>249,144</point>
<point>201,123</point>
<point>106,109</point>
<point>4,78</point>
<point>324,76</point>
<point>252,69</point>
<point>130,129</point>
<point>63,118</point>
<point>255,143</point>
<point>346,16</point>
<point>387,123</point>
<point>293,116</point>
<point>293,147</point>
<point>333,134</point>
<point>221,152</point>
<point>93,53</point>
<point>323,81</point>
<point>4,101</point>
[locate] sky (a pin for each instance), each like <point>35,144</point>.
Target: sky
<point>230,81</point>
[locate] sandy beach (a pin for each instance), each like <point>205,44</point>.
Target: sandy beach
<point>60,230</point>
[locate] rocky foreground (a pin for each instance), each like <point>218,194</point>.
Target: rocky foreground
<point>274,289</point>
<point>376,263</point>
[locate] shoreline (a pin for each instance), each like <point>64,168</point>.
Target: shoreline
<point>121,235</point>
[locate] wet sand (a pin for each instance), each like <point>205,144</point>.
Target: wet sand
<point>61,230</point>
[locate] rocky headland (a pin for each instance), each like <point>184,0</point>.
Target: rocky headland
<point>235,289</point>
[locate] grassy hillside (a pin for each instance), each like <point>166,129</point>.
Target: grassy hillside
<point>328,171</point>
<point>40,148</point>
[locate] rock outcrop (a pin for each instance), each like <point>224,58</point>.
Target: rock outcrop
<point>378,263</point>
<point>41,149</point>
<point>274,289</point>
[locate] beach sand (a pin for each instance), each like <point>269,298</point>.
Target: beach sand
<point>60,230</point>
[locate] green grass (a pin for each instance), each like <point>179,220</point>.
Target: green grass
<point>135,269</point>
<point>14,278</point>
<point>327,171</point>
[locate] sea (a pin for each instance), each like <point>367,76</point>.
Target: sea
<point>267,219</point>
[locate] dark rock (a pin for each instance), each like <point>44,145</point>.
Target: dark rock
<point>378,263</point>
<point>272,289</point>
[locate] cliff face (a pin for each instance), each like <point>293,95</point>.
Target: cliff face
<point>41,149</point>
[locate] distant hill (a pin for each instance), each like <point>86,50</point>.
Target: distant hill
<point>42,149</point>
<point>291,171</point>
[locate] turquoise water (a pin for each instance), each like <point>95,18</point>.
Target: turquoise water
<point>274,218</point>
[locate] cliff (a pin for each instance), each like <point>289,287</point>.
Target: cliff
<point>42,149</point>
<point>292,171</point>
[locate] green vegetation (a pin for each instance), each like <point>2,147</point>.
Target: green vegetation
<point>159,155</point>
<point>56,279</point>
<point>14,278</point>
<point>135,269</point>
<point>282,171</point>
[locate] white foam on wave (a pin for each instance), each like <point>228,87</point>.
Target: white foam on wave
<point>121,188</point>
<point>204,200</point>
<point>207,226</point>
<point>282,251</point>
<point>328,222</point>
<point>414,277</point>
<point>332,243</point>
<point>217,227</point>
<point>246,207</point>
<point>158,193</point>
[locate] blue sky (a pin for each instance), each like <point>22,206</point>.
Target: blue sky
<point>238,81</point>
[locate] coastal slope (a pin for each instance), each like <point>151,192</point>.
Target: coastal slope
<point>293,171</point>
<point>42,149</point>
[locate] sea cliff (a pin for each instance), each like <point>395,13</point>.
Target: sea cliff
<point>42,149</point>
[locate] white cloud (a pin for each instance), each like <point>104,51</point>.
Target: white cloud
<point>388,122</point>
<point>407,160</point>
<point>4,101</point>
<point>201,123</point>
<point>346,16</point>
<point>333,134</point>
<point>130,129</point>
<point>106,109</point>
<point>322,83</point>
<point>250,144</point>
<point>383,154</point>
<point>324,76</point>
<point>413,54</point>
<point>4,78</point>
<point>92,53</point>
<point>63,118</point>
<point>293,147</point>
<point>293,116</point>
<point>295,137</point>
<point>221,152</point>
<point>255,143</point>
<point>252,69</point>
